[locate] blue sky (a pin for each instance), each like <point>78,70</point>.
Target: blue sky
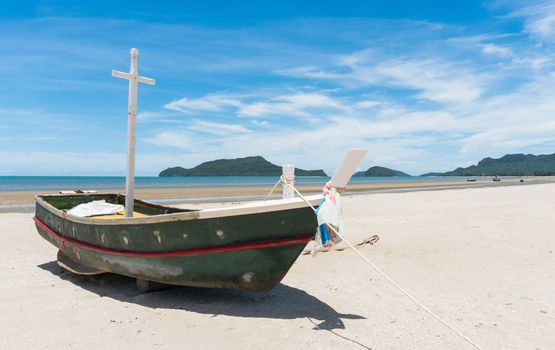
<point>425,86</point>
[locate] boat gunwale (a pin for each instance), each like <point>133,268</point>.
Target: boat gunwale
<point>257,207</point>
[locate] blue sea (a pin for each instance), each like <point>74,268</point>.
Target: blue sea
<point>17,183</point>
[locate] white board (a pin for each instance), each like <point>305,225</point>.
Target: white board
<point>348,167</point>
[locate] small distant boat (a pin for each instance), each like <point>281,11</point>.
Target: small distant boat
<point>250,246</point>
<point>496,178</point>
<point>472,179</point>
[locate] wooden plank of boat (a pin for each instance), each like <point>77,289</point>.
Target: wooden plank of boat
<point>67,264</point>
<point>78,191</point>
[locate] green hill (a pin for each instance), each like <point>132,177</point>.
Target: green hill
<point>510,164</point>
<point>380,171</point>
<point>248,166</point>
<point>431,174</point>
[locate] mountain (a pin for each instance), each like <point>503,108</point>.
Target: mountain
<point>380,171</point>
<point>510,164</point>
<point>431,174</point>
<point>248,166</point>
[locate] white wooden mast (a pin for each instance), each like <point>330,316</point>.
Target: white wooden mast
<point>288,178</point>
<point>134,79</point>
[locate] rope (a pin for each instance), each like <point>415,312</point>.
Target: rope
<point>377,269</point>
<point>273,188</point>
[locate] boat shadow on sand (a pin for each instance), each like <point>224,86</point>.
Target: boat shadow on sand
<point>282,302</point>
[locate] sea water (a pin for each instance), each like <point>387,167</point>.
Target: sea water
<point>18,183</point>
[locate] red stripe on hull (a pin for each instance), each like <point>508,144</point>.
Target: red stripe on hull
<point>185,252</point>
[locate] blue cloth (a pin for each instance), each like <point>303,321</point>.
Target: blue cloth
<point>324,232</point>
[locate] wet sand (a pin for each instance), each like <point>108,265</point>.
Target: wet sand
<point>234,193</point>
<point>481,258</point>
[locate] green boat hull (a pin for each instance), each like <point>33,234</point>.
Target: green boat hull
<point>251,251</point>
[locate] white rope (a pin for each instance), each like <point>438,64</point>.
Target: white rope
<point>273,188</point>
<point>371,264</point>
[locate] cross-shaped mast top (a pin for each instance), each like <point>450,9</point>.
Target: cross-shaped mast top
<point>133,71</point>
<point>134,80</point>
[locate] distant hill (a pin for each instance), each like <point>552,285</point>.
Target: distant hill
<point>431,174</point>
<point>248,166</point>
<point>380,171</point>
<point>510,164</point>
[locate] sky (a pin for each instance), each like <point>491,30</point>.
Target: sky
<point>423,85</point>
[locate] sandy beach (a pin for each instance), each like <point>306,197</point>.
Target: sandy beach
<point>480,258</point>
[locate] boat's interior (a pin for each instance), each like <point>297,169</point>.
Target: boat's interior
<point>145,210</point>
<point>141,208</point>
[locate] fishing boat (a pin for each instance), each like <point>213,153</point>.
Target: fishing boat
<point>250,246</point>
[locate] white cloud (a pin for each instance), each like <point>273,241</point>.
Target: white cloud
<point>260,122</point>
<point>433,79</point>
<point>299,105</point>
<point>508,122</point>
<point>543,25</point>
<point>310,72</point>
<point>149,116</point>
<point>367,104</point>
<point>480,38</point>
<point>210,103</point>
<point>437,81</point>
<point>485,43</point>
<point>539,19</point>
<point>496,50</point>
<point>173,139</point>
<point>216,128</point>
